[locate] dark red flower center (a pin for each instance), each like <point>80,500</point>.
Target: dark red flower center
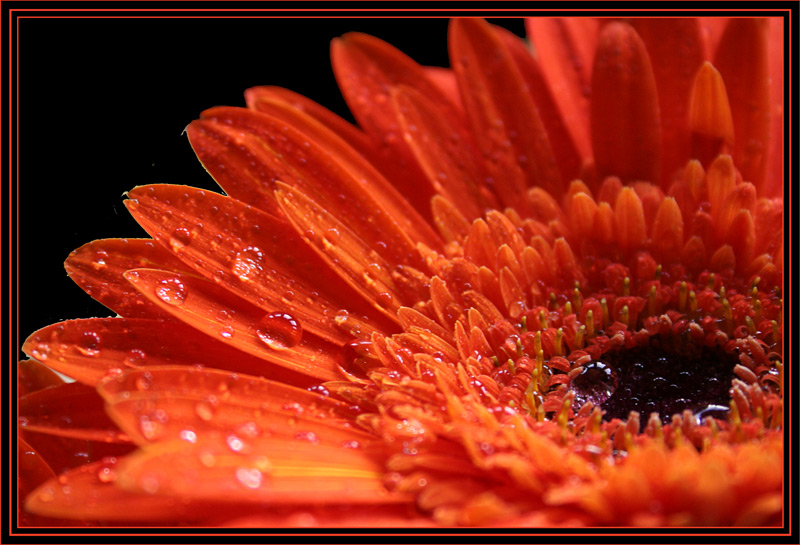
<point>667,376</point>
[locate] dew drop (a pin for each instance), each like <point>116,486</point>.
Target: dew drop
<point>180,239</point>
<point>145,381</point>
<point>89,344</point>
<point>249,477</point>
<point>106,475</point>
<point>135,358</point>
<point>384,299</point>
<point>234,443</point>
<point>171,291</point>
<point>596,383</point>
<point>226,332</point>
<point>204,410</point>
<point>319,389</point>
<point>279,331</point>
<point>247,263</point>
<point>188,436</point>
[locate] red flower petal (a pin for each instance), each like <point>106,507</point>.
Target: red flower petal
<point>344,251</point>
<point>33,376</point>
<point>318,162</point>
<point>564,149</point>
<point>264,470</point>
<point>624,107</point>
<point>252,254</point>
<point>675,49</point>
<point>446,159</point>
<point>741,58</point>
<point>97,267</point>
<point>710,118</point>
<point>502,114</point>
<point>165,403</point>
<point>88,350</point>
<point>213,310</point>
<point>565,48</point>
<point>69,410</point>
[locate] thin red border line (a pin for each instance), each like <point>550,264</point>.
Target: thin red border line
<point>11,168</point>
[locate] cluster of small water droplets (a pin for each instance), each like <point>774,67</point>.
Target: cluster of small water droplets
<point>171,291</point>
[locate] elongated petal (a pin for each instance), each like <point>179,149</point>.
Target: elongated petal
<point>97,267</point>
<point>69,410</point>
<point>165,403</point>
<point>276,337</point>
<point>565,48</point>
<point>668,231</point>
<point>502,114</point>
<point>741,58</point>
<point>629,214</point>
<point>89,493</point>
<point>366,69</point>
<point>441,153</point>
<point>710,118</point>
<point>624,108</point>
<point>305,154</point>
<point>33,376</point>
<point>565,151</point>
<point>264,470</point>
<point>88,350</point>
<point>675,49</point>
<point>344,251</point>
<point>257,256</point>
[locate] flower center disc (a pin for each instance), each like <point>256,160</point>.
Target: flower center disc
<point>667,376</point>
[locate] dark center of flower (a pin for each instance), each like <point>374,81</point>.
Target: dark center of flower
<point>667,376</point>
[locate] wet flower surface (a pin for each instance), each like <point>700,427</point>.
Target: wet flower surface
<point>539,288</point>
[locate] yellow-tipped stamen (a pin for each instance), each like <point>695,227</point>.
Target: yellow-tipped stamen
<point>553,300</point>
<point>682,292</point>
<point>568,308</point>
<point>757,309</point>
<point>519,348</point>
<point>776,331</point>
<point>604,306</point>
<point>692,302</point>
<point>540,413</point>
<point>523,325</point>
<point>577,299</point>
<point>589,324</point>
<point>578,340</point>
<point>626,286</point>
<point>658,272</point>
<point>710,283</point>
<point>726,311</point>
<point>542,320</point>
<point>651,301</point>
<point>751,326</point>
<point>658,432</point>
<point>594,420</point>
<point>495,361</point>
<point>756,282</point>
<point>559,342</point>
<point>722,292</point>
<point>511,366</point>
<point>537,342</point>
<point>677,436</point>
<point>735,418</point>
<point>624,315</point>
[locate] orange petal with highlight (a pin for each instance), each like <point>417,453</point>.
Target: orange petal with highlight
<point>668,231</point>
<point>276,337</point>
<point>269,470</point>
<point>629,215</point>
<point>710,119</point>
<point>624,107</point>
<point>503,117</point>
<point>166,403</point>
<point>97,268</point>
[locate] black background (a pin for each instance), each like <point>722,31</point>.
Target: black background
<point>103,104</point>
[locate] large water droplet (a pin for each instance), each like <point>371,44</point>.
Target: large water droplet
<point>171,291</point>
<point>180,239</point>
<point>279,331</point>
<point>89,344</point>
<point>596,383</point>
<point>247,263</point>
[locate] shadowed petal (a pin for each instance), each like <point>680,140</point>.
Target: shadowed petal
<point>97,268</point>
<point>502,114</point>
<point>624,107</point>
<point>70,410</point>
<point>33,376</point>
<point>276,337</point>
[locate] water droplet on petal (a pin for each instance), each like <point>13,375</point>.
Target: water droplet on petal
<point>106,475</point>
<point>204,410</point>
<point>180,239</point>
<point>144,381</point>
<point>89,344</point>
<point>188,435</point>
<point>171,291</point>
<point>234,443</point>
<point>596,383</point>
<point>279,331</point>
<point>247,263</point>
<point>227,332</point>
<point>249,477</point>
<point>135,358</point>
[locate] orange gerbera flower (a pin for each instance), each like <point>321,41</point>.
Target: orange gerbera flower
<point>535,289</point>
